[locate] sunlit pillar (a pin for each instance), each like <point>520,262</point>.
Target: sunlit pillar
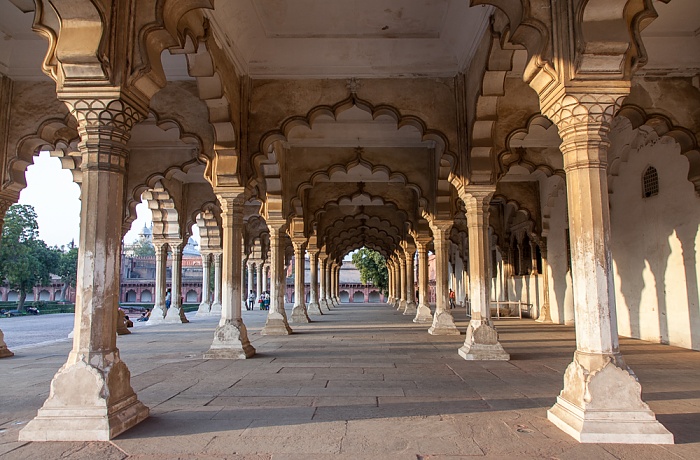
<point>276,322</point>
<point>411,307</point>
<point>322,260</point>
<point>601,400</point>
<point>481,342</point>
<point>216,305</point>
<point>158,312</point>
<point>443,323</point>
<point>258,281</point>
<point>204,306</point>
<point>299,314</point>
<point>314,307</point>
<point>423,313</point>
<point>402,281</point>
<point>175,313</point>
<point>545,313</point>
<point>231,337</point>
<point>91,398</point>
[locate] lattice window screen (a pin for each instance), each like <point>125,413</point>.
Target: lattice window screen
<point>650,182</point>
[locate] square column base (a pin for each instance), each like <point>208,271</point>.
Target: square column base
<point>276,324</point>
<point>5,352</point>
<point>423,314</point>
<point>602,403</point>
<point>482,343</point>
<point>443,324</point>
<point>77,409</point>
<point>411,309</point>
<point>230,342</point>
<point>215,309</point>
<point>203,309</point>
<point>314,309</point>
<point>299,314</point>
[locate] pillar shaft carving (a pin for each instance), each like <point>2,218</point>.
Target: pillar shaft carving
<point>231,337</point>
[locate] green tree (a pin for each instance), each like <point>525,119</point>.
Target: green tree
<point>372,267</point>
<point>143,248</point>
<point>67,269</point>
<point>25,260</point>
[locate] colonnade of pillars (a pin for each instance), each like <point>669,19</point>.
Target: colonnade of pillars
<point>91,396</point>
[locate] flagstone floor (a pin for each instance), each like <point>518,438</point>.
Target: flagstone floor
<point>361,382</point>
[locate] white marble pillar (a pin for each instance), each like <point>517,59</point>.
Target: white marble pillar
<point>411,306</point>
<point>322,302</point>
<point>258,281</point>
<point>251,278</point>
<point>204,306</point>
<point>264,271</point>
<point>402,281</point>
<point>276,322</point>
<point>329,283</point>
<point>314,307</point>
<point>90,397</point>
<point>481,342</point>
<point>545,313</point>
<point>336,283</point>
<point>423,313</point>
<point>231,337</point>
<point>158,312</point>
<point>216,304</point>
<point>299,314</point>
<point>601,400</point>
<point>175,313</point>
<point>443,323</point>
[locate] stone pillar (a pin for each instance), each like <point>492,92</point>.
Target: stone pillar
<point>231,337</point>
<point>90,397</point>
<point>244,273</point>
<point>601,400</point>
<point>216,304</point>
<point>313,308</point>
<point>299,314</point>
<point>322,302</point>
<point>158,312</point>
<point>329,287</point>
<point>263,271</point>
<point>533,257</point>
<point>390,288</point>
<point>204,306</point>
<point>545,313</point>
<point>336,281</point>
<point>251,276</point>
<point>411,307</point>
<point>481,342</point>
<point>276,323</point>
<point>331,284</point>
<point>258,283</point>
<point>4,351</point>
<point>423,313</point>
<point>443,323</point>
<point>175,313</point>
<point>402,282</point>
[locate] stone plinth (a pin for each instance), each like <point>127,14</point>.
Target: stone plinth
<point>203,309</point>
<point>482,343</point>
<point>423,314</point>
<point>299,315</point>
<point>601,403</point>
<point>411,309</point>
<point>314,309</point>
<point>276,324</point>
<point>443,324</point>
<point>230,341</point>
<point>4,351</point>
<point>87,403</point>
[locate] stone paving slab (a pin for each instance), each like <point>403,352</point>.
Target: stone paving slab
<point>362,382</point>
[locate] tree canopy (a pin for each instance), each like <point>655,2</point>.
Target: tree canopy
<point>25,260</point>
<point>372,267</point>
<point>67,268</point>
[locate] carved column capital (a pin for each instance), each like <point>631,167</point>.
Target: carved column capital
<point>583,120</point>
